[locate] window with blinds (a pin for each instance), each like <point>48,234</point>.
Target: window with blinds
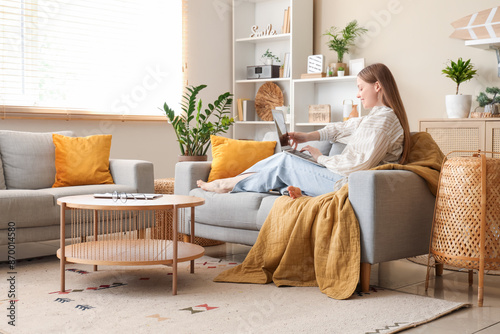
<point>120,57</point>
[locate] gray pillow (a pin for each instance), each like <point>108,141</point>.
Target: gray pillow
<point>28,159</point>
<point>337,148</point>
<point>2,178</point>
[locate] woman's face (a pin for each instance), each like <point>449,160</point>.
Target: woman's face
<point>369,93</point>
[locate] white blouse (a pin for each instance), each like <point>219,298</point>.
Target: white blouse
<point>374,139</point>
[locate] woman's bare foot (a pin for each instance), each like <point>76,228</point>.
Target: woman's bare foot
<point>294,192</point>
<point>221,185</point>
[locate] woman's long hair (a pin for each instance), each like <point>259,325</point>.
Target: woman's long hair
<point>390,98</point>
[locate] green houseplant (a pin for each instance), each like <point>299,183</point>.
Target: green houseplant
<point>341,40</point>
<point>268,57</point>
<point>458,106</point>
<point>488,103</point>
<point>194,126</point>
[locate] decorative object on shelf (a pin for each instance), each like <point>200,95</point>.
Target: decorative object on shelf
<point>268,97</point>
<point>356,65</point>
<point>263,71</point>
<point>340,71</point>
<point>268,32</point>
<point>329,71</point>
<point>349,109</point>
<point>285,29</point>
<point>268,57</point>
<point>312,75</point>
<point>194,137</point>
<point>467,216</point>
<point>458,106</point>
<point>315,63</point>
<point>483,24</point>
<point>320,113</point>
<point>341,41</point>
<point>490,104</point>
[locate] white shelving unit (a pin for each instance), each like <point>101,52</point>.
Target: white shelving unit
<point>248,50</point>
<point>298,93</point>
<point>487,44</point>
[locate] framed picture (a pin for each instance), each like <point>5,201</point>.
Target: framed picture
<point>356,65</point>
<point>315,63</point>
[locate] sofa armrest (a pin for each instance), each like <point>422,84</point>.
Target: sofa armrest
<point>187,173</point>
<point>136,173</point>
<point>395,209</point>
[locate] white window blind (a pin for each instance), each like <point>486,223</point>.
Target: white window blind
<point>102,56</point>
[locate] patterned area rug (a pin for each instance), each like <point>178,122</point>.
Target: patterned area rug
<point>422,260</point>
<point>139,300</point>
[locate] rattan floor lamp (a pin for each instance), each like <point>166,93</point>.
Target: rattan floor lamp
<point>466,226</point>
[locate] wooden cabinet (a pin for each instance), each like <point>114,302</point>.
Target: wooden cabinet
<point>468,134</point>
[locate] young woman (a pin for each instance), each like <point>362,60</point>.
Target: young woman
<point>381,137</point>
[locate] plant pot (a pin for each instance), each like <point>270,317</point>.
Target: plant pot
<point>183,158</point>
<point>335,66</point>
<point>268,61</point>
<point>458,106</point>
<point>340,73</point>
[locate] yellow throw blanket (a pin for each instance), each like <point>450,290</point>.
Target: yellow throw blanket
<point>314,241</point>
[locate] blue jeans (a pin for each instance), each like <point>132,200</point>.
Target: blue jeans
<point>282,170</point>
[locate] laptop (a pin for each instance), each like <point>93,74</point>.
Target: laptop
<point>282,132</point>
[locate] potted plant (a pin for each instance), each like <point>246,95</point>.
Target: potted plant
<point>458,105</point>
<point>340,71</point>
<point>268,57</point>
<point>488,103</point>
<point>194,126</point>
<point>341,41</point>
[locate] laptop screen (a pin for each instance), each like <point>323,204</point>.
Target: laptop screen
<point>281,130</point>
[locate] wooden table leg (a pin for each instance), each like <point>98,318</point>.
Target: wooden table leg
<point>175,223</point>
<point>96,216</point>
<point>192,237</point>
<point>63,246</point>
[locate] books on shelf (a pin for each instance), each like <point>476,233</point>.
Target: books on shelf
<point>286,22</point>
<point>286,65</point>
<point>239,108</point>
<point>249,110</point>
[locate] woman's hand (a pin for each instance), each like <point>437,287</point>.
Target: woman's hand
<point>315,152</point>
<point>301,137</point>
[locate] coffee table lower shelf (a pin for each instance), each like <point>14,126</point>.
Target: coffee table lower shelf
<point>130,252</point>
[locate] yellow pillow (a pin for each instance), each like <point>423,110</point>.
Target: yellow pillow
<point>82,160</point>
<point>232,157</point>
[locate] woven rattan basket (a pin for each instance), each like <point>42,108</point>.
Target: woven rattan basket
<point>466,226</point>
<point>166,186</point>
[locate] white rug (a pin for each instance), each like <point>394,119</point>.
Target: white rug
<point>140,300</point>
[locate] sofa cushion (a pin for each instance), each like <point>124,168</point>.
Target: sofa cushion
<point>82,160</point>
<point>232,157</point>
<point>27,208</point>
<point>2,177</point>
<point>234,210</point>
<point>28,159</point>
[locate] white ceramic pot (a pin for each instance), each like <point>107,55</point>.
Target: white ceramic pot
<point>340,73</point>
<point>458,106</point>
<point>268,61</point>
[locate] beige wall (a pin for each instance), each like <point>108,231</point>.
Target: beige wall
<point>411,37</point>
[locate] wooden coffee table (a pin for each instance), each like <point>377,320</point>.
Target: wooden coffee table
<point>116,232</point>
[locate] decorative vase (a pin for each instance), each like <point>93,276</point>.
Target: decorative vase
<point>268,61</point>
<point>458,106</point>
<point>183,158</point>
<point>335,66</point>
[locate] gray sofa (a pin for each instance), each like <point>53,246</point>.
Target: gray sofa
<point>394,209</point>
<point>28,203</point>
